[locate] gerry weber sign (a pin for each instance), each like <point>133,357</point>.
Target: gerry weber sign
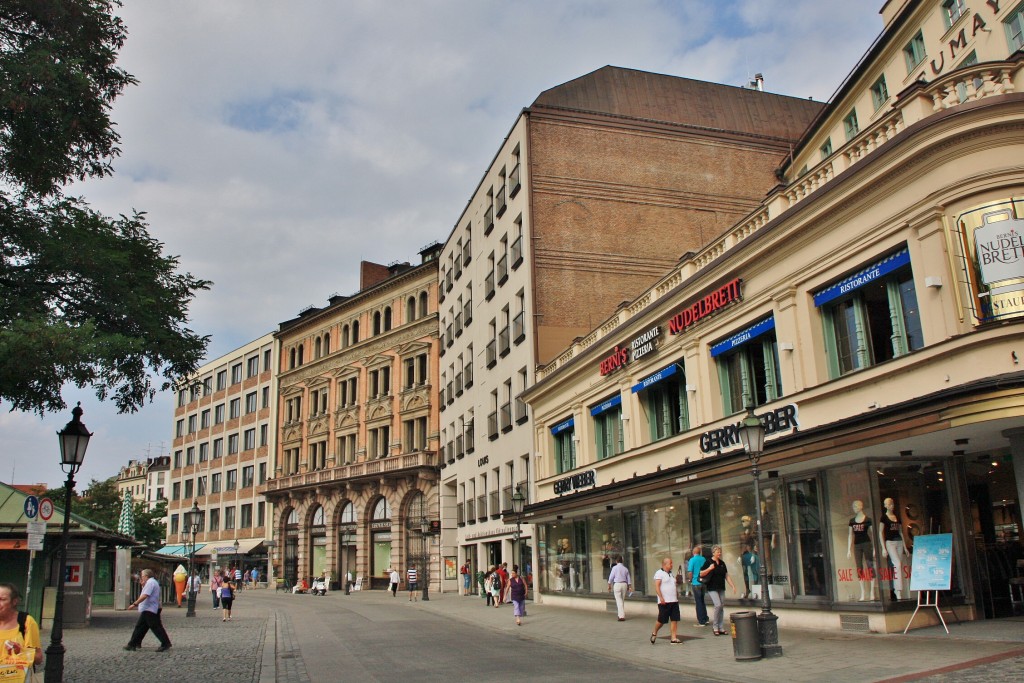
<point>638,348</point>
<point>778,420</point>
<point>576,482</point>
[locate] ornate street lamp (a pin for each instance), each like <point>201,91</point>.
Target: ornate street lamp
<point>192,520</point>
<point>752,436</point>
<point>238,567</point>
<point>346,533</point>
<point>518,503</point>
<point>424,531</point>
<point>74,439</point>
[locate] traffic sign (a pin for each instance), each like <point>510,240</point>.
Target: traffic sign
<point>31,507</point>
<point>46,509</point>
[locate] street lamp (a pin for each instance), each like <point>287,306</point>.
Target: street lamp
<point>74,439</point>
<point>424,530</point>
<point>346,533</point>
<point>752,435</point>
<point>238,567</point>
<point>192,519</point>
<point>518,502</point>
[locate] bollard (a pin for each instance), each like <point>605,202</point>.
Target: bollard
<point>746,639</point>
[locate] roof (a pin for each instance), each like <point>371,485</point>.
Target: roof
<point>656,97</point>
<point>14,521</point>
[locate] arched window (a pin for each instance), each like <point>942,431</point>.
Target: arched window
<point>376,323</point>
<point>423,304</point>
<point>348,514</point>
<point>387,318</point>
<point>318,516</point>
<point>291,359</point>
<point>293,517</point>
<point>301,349</point>
<point>317,348</point>
<point>344,337</point>
<point>381,510</point>
<point>410,309</point>
<point>355,331</point>
<point>417,510</point>
<point>327,343</point>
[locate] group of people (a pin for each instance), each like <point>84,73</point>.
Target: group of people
<point>704,577</point>
<point>412,579</point>
<point>502,585</point>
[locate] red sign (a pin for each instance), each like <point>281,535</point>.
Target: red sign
<point>73,574</point>
<point>618,358</point>
<point>702,308</point>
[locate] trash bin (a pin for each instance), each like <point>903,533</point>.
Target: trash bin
<point>746,639</point>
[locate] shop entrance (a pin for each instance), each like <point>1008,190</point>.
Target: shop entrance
<point>996,525</point>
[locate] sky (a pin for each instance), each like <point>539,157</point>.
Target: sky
<point>275,145</point>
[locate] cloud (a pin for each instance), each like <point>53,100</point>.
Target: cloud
<point>275,145</point>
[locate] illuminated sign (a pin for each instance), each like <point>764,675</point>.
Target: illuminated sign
<point>707,305</point>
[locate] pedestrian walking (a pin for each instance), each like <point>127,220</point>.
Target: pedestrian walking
<point>503,589</point>
<point>668,601</point>
<point>149,608</point>
<point>227,598</point>
<point>215,582</point>
<point>517,593</point>
<point>238,576</point>
<point>494,590</point>
<point>715,575</point>
<point>255,577</point>
<point>394,578</point>
<point>193,586</point>
<point>412,578</point>
<point>247,579</point>
<point>694,568</point>
<point>19,631</point>
<point>619,583</point>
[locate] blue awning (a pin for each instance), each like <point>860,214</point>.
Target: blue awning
<point>741,338</point>
<point>866,276</point>
<point>562,426</point>
<point>613,402</point>
<point>656,377</point>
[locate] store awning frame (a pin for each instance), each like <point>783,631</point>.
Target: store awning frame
<point>225,548</point>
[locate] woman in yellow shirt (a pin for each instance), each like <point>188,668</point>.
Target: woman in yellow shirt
<point>17,648</point>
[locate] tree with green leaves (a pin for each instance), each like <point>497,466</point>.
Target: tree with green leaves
<point>85,299</point>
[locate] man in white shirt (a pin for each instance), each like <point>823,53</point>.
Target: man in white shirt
<point>148,605</point>
<point>668,601</point>
<point>394,578</point>
<point>618,583</point>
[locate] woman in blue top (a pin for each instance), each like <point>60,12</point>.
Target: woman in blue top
<point>227,597</point>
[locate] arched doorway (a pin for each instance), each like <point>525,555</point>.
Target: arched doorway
<point>380,545</point>
<point>291,548</point>
<point>318,543</point>
<point>347,543</point>
<point>417,550</point>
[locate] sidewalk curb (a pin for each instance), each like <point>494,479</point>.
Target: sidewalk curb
<point>960,666</point>
<point>268,650</point>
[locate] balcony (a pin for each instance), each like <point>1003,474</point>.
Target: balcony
<point>441,396</point>
<point>489,286</point>
<point>467,252</point>
<point>499,202</point>
<point>460,514</point>
<point>449,453</point>
<point>495,510</point>
<point>521,412</point>
<point>449,335</point>
<point>517,252</point>
<point>467,312</point>
<point>471,511</point>
<point>470,438</point>
<point>448,281</point>
<point>458,384</point>
<point>492,426</point>
<point>481,508</point>
<point>492,353</point>
<point>370,471</point>
<point>458,324</point>
<point>519,327</point>
<point>460,449</point>
<point>469,373</point>
<point>503,342</point>
<point>451,392</point>
<point>458,267</point>
<point>502,270</point>
<point>506,417</point>
<point>513,182</point>
<point>489,220</point>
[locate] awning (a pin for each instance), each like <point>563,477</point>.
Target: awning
<point>741,338</point>
<point>222,548</point>
<point>562,426</point>
<point>866,276</point>
<point>605,406</point>
<point>655,378</point>
<point>176,550</point>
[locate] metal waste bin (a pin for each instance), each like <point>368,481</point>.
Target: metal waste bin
<point>746,638</point>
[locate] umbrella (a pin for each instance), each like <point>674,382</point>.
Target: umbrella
<point>126,522</point>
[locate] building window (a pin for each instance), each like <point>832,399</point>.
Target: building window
<point>914,52</point>
<point>250,439</point>
<point>748,367</point>
<point>346,449</point>
<point>182,398</point>
<point>246,520</point>
<point>235,408</point>
<point>215,519</point>
<point>1014,24</point>
<point>232,444</point>
<point>218,448</point>
<point>663,399</point>
<point>179,428</point>
<point>879,93</point>
<point>176,490</point>
<point>192,424</point>
<point>190,455</point>
<point>174,524</point>
<point>263,473</point>
<point>236,373</point>
<point>347,392</point>
<point>207,386</point>
<point>252,366</point>
<point>218,414</point>
<point>201,486</point>
<point>177,460</point>
<point>250,403</point>
<point>952,10</point>
<point>318,455</point>
<point>850,126</point>
<point>189,485</point>
<point>608,427</point>
<point>247,476</point>
<point>204,421</point>
<point>263,435</point>
<point>564,434</point>
<point>215,482</point>
<point>229,517</point>
<point>204,452</point>
<point>266,361</point>
<point>231,481</point>
<point>871,316</point>
<point>261,513</point>
<point>265,402</point>
<point>222,380</point>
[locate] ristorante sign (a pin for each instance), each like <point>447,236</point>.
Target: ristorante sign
<point>705,306</point>
<point>639,347</point>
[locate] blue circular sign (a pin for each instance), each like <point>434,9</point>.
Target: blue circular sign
<point>31,507</point>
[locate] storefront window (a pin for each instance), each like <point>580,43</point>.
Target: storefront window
<point>748,367</point>
<point>738,536</point>
<point>853,522</point>
<point>606,544</point>
<point>666,534</point>
<point>565,556</point>
<point>805,527</point>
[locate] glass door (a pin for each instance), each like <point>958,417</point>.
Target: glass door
<point>806,538</point>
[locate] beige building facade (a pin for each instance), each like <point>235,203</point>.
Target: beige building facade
<point>870,310</point>
<point>355,481</point>
<point>599,187</point>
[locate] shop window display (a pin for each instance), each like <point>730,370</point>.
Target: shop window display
<point>738,536</point>
<point>808,549</point>
<point>853,522</point>
<point>606,536</point>
<point>666,534</point>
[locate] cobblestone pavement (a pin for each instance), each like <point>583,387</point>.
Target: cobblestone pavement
<point>1004,671</point>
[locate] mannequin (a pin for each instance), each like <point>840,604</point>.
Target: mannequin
<point>860,546</point>
<point>890,537</point>
<point>749,564</point>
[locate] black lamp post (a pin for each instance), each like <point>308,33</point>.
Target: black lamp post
<point>74,439</point>
<point>518,502</point>
<point>238,567</point>
<point>752,436</point>
<point>192,519</point>
<point>424,531</point>
<point>345,535</point>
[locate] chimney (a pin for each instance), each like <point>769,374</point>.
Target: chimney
<point>371,274</point>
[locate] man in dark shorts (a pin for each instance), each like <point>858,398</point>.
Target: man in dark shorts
<point>668,601</point>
